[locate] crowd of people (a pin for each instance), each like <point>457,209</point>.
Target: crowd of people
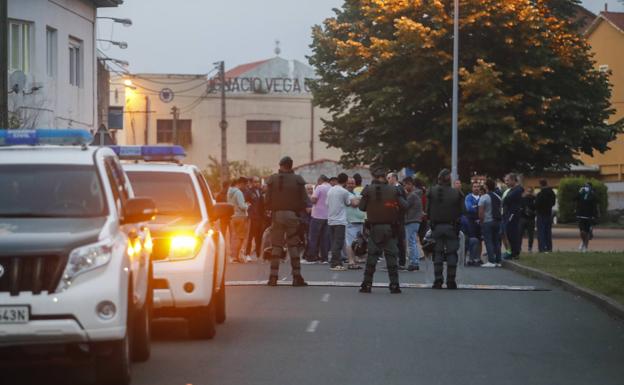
<point>494,221</point>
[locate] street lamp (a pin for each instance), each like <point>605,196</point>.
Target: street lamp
<point>120,44</point>
<point>454,159</point>
<point>124,22</point>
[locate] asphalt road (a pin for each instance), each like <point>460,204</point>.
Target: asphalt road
<point>335,335</point>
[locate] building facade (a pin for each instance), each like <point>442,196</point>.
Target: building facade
<point>606,38</point>
<point>269,112</point>
<point>52,63</point>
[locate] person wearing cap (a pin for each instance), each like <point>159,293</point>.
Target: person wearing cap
<point>383,205</point>
<point>286,196</point>
<point>444,208</point>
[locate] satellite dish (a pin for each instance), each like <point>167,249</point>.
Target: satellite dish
<point>17,81</point>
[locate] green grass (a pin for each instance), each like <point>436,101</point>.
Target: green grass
<point>601,272</point>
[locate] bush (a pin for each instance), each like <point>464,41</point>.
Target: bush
<point>568,191</point>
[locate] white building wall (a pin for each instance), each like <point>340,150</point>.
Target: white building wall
<point>294,112</point>
<point>57,104</point>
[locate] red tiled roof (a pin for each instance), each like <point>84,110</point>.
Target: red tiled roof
<point>243,68</point>
<point>616,18</point>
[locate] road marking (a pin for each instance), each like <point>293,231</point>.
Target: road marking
<point>385,285</point>
<point>325,297</point>
<point>312,327</point>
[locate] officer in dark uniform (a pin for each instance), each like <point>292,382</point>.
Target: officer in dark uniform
<point>445,207</point>
<point>286,196</point>
<point>382,204</point>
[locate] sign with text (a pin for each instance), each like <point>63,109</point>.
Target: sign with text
<point>273,85</point>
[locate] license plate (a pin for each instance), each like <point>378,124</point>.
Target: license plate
<point>14,314</point>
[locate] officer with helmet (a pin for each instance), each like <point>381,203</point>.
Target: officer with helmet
<point>286,197</point>
<point>382,204</point>
<point>445,206</point>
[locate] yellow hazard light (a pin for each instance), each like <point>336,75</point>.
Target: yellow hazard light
<point>184,246</point>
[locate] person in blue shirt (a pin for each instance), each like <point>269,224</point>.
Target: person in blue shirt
<point>512,207</point>
<point>473,227</point>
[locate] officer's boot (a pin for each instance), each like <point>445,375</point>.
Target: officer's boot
<point>450,277</point>
<point>367,284</point>
<point>393,274</point>
<point>275,262</point>
<point>438,268</point>
<point>295,263</point>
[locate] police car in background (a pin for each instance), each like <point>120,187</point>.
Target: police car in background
<point>189,251</point>
<point>74,254</point>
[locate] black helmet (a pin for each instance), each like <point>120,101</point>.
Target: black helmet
<point>286,162</point>
<point>378,171</point>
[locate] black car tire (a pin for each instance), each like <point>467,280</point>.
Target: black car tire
<point>141,334</point>
<point>114,368</point>
<point>220,297</point>
<point>202,322</point>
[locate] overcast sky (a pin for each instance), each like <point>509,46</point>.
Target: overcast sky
<point>187,36</point>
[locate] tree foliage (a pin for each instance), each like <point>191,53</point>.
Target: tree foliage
<point>530,98</point>
<point>236,169</point>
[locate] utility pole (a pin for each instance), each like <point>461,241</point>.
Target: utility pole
<point>223,124</point>
<point>174,125</point>
<point>454,156</point>
<point>4,62</point>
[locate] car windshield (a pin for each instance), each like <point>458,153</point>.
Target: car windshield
<point>50,191</point>
<point>173,192</point>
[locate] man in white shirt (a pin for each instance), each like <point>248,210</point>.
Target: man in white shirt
<point>338,198</point>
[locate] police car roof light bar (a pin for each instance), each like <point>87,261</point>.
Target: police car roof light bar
<point>45,136</point>
<point>157,153</point>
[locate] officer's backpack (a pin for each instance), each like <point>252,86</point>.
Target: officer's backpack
<point>496,206</point>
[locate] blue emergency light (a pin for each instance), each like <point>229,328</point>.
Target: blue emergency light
<point>150,153</point>
<point>45,136</point>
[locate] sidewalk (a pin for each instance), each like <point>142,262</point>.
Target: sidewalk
<point>568,239</point>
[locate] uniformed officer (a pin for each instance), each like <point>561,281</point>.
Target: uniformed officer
<point>445,206</point>
<point>382,204</point>
<point>286,196</point>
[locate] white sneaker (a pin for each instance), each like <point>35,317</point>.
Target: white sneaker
<point>248,258</point>
<point>488,264</point>
<point>499,265</point>
<point>581,247</point>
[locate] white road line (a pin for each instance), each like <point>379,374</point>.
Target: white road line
<point>312,327</point>
<point>325,297</point>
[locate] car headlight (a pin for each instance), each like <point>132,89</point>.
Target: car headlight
<point>184,247</point>
<point>83,259</point>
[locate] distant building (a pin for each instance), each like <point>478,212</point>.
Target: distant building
<point>311,171</point>
<point>52,63</point>
<point>606,38</point>
<point>269,113</point>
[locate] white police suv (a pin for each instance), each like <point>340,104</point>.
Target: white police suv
<point>74,255</point>
<point>189,251</point>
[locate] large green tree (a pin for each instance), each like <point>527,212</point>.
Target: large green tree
<point>530,96</point>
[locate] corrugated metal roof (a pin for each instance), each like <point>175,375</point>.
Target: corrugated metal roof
<point>243,68</point>
<point>107,3</point>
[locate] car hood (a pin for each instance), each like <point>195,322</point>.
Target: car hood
<point>47,236</point>
<point>167,224</point>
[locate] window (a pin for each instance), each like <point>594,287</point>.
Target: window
<point>20,46</point>
<point>603,68</point>
<point>164,131</point>
<point>75,62</point>
<point>263,131</point>
<point>51,52</point>
<point>115,118</point>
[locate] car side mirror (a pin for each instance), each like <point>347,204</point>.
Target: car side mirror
<point>139,210</point>
<point>221,210</point>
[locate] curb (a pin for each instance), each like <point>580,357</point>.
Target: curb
<point>607,304</point>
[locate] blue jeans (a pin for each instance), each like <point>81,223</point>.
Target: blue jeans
<point>544,232</point>
<point>411,234</point>
<point>492,240</point>
<point>318,236</point>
